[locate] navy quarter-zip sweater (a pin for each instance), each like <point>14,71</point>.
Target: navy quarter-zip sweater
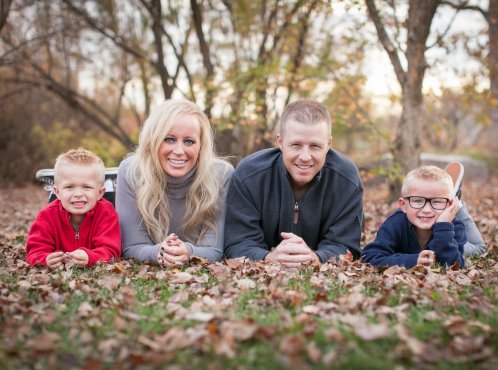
<point>396,243</point>
<point>261,205</point>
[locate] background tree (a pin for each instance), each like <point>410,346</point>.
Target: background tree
<point>4,11</point>
<point>107,63</point>
<point>409,67</point>
<point>490,14</point>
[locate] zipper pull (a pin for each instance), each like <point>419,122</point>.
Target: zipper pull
<point>77,235</point>
<point>296,213</point>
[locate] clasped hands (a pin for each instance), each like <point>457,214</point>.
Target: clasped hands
<point>173,252</point>
<point>58,259</point>
<point>292,252</point>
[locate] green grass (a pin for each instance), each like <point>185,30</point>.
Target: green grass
<point>302,319</point>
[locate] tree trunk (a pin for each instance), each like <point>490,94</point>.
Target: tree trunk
<point>406,148</point>
<point>492,18</point>
<point>4,12</point>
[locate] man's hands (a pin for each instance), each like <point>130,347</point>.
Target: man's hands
<point>292,252</point>
<point>59,259</point>
<point>426,258</point>
<point>173,252</point>
<point>449,213</point>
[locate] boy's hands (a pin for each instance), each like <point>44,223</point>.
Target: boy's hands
<point>449,213</point>
<point>173,252</point>
<point>426,258</point>
<point>79,257</point>
<point>58,259</point>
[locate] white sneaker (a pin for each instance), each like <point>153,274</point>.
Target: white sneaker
<point>456,170</point>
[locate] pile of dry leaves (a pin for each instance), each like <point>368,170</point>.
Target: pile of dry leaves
<point>245,314</point>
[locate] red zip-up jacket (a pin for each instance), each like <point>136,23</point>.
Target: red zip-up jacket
<point>98,236</point>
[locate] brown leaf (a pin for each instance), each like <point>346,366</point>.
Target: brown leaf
<point>292,344</point>
<point>196,260</point>
<point>245,284</point>
<point>117,267</point>
<point>457,325</point>
<point>235,263</point>
<point>44,343</point>
<point>200,316</point>
<point>238,330</point>
<point>109,282</point>
<point>367,331</point>
<point>219,271</point>
<point>314,352</point>
<point>85,309</point>
<point>106,347</point>
<point>393,270</point>
<point>181,278</point>
<point>334,335</point>
<point>311,309</point>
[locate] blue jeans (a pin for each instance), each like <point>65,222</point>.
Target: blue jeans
<point>475,244</point>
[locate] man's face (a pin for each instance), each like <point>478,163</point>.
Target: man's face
<point>304,149</point>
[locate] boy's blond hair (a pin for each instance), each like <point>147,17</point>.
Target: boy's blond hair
<point>428,173</point>
<point>80,156</point>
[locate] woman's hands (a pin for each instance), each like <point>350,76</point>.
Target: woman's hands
<point>173,252</point>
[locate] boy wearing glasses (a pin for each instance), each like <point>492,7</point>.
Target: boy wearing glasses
<point>424,229</point>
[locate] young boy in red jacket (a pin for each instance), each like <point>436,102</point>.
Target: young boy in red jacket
<point>79,226</point>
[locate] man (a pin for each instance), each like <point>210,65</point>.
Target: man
<point>298,203</point>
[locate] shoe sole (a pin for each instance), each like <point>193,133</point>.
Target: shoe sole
<point>456,171</point>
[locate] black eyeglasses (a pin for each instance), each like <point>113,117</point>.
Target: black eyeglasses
<point>420,202</point>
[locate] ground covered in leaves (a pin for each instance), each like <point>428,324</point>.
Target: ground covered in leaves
<point>248,315</point>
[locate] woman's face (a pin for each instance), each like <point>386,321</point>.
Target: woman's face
<point>180,148</point>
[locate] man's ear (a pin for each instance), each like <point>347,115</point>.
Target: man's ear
<point>403,204</point>
<point>278,140</point>
<point>330,141</point>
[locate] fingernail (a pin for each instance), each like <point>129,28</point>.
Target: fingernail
<point>162,248</point>
<point>161,253</point>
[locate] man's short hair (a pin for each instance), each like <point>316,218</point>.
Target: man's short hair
<point>306,111</point>
<point>428,173</point>
<point>80,156</point>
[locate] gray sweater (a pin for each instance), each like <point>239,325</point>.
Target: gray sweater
<point>136,241</point>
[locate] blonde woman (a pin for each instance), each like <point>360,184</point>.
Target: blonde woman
<point>171,192</point>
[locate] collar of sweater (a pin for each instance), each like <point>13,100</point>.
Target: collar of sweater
<point>178,186</point>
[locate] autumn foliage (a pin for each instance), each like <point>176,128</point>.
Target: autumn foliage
<point>247,315</point>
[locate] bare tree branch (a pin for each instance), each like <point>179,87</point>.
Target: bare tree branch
<point>464,6</point>
<point>4,12</point>
<point>386,41</point>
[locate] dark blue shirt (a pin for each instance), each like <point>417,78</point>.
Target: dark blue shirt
<point>261,205</point>
<point>396,243</point>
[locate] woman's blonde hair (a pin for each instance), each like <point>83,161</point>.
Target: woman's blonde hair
<point>149,180</point>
